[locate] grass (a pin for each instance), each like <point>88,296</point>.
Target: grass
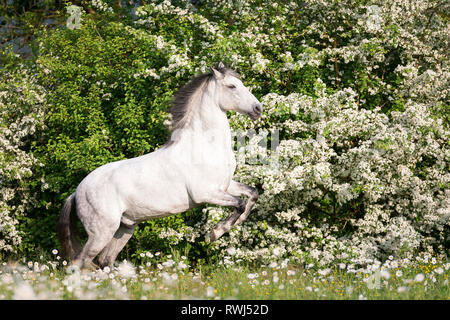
<point>166,278</point>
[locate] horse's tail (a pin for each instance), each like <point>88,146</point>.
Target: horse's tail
<point>70,245</point>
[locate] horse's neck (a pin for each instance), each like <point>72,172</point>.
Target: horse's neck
<point>210,121</point>
<point>207,132</point>
<point>210,117</point>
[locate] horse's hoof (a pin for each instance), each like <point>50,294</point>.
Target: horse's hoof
<point>90,266</point>
<point>211,237</point>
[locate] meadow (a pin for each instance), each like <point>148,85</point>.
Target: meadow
<point>171,277</point>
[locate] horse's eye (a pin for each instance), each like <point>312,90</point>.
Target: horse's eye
<point>231,86</point>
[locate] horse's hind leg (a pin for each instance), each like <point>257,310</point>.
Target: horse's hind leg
<point>95,243</point>
<point>112,249</point>
<point>100,233</point>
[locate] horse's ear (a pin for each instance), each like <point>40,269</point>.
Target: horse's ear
<point>221,65</point>
<point>217,74</point>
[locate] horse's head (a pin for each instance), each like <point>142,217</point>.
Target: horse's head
<point>233,95</point>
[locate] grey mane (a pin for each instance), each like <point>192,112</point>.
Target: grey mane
<point>181,102</point>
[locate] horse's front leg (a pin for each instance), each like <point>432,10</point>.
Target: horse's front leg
<point>240,189</point>
<point>222,198</point>
<point>240,213</point>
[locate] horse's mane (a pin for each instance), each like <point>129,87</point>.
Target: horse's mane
<point>185,98</point>
<point>182,103</point>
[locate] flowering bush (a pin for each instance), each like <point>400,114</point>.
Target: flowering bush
<point>22,103</point>
<point>355,179</point>
<point>355,97</point>
<point>356,184</point>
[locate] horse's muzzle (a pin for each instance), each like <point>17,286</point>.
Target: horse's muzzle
<point>256,111</point>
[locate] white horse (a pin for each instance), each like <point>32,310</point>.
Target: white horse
<point>195,166</point>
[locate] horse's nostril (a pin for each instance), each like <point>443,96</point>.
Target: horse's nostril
<point>257,108</point>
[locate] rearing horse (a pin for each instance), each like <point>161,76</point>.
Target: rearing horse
<point>195,166</point>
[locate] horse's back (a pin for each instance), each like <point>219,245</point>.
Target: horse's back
<point>143,188</point>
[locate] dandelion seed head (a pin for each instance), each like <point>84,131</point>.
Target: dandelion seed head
<point>23,291</point>
<point>419,277</point>
<point>401,289</point>
<point>439,270</point>
<point>385,274</point>
<point>210,291</point>
<point>126,269</point>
